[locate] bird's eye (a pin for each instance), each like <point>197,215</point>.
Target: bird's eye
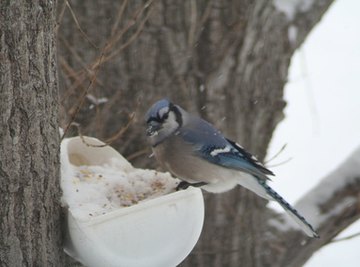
<point>163,114</point>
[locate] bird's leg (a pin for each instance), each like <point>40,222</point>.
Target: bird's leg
<point>184,185</point>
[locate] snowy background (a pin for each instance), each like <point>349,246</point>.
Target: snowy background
<point>322,125</point>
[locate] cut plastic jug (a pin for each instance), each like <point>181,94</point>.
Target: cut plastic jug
<point>156,232</point>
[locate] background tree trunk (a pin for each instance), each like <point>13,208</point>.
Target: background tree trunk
<point>29,136</point>
<point>226,61</point>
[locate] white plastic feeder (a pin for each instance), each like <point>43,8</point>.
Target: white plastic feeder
<point>156,232</point>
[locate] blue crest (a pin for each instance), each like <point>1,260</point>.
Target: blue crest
<point>153,111</point>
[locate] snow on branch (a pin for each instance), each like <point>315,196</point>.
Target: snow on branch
<point>291,7</point>
<point>331,206</point>
<point>333,194</point>
<point>300,17</point>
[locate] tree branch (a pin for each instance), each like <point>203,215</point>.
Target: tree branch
<point>331,206</point>
<point>301,16</point>
<point>345,238</point>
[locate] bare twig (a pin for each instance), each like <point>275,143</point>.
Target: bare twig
<point>61,15</point>
<point>131,39</point>
<point>74,53</point>
<point>111,139</point>
<point>193,23</point>
<point>138,154</point>
<point>279,164</point>
<point>345,238</point>
<point>276,155</point>
<point>78,25</point>
<point>69,71</point>
<point>115,37</point>
<point>112,41</point>
<point>118,17</point>
<point>122,130</point>
<point>106,54</point>
<point>81,101</point>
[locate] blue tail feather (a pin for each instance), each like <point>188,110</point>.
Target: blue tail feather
<point>307,227</point>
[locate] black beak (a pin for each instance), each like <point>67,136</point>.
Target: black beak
<point>152,128</point>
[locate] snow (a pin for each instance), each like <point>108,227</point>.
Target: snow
<point>292,34</point>
<point>94,189</point>
<point>61,131</point>
<point>345,175</point>
<point>285,224</point>
<point>324,98</point>
<point>291,7</point>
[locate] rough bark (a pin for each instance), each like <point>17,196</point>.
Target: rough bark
<point>225,60</point>
<point>29,136</point>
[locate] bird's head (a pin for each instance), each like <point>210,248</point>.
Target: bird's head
<point>162,120</point>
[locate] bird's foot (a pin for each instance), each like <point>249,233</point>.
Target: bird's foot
<point>184,185</point>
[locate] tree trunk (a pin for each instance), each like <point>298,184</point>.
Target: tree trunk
<point>225,60</point>
<point>29,136</point>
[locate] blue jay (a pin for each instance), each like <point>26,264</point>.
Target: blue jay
<point>198,154</point>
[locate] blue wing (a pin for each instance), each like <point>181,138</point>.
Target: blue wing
<point>212,146</point>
